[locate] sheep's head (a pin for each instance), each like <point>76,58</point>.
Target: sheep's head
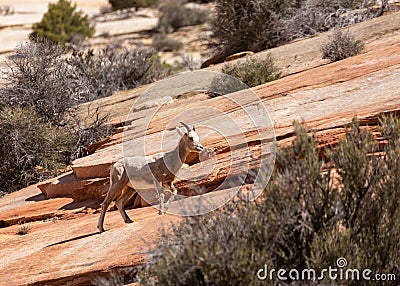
<point>190,138</point>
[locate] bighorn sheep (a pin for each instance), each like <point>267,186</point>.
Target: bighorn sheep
<point>147,172</point>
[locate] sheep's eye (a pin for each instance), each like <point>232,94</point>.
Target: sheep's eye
<point>191,138</point>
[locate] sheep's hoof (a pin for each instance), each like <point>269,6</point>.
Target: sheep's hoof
<point>101,229</point>
<point>128,220</point>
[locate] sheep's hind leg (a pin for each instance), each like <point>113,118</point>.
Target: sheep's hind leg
<point>161,196</point>
<point>116,188</point>
<point>112,193</point>
<point>174,191</point>
<point>104,206</point>
<point>126,194</point>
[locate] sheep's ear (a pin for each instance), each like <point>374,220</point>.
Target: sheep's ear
<point>180,131</point>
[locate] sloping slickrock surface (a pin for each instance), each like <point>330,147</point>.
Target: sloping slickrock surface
<point>63,246</point>
<point>68,250</point>
<point>324,97</point>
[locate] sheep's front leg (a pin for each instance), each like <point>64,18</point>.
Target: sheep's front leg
<point>174,191</point>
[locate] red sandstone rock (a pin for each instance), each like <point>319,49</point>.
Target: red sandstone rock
<point>63,245</point>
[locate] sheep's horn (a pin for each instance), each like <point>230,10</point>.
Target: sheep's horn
<point>186,126</point>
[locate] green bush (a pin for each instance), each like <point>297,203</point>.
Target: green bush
<point>311,214</point>
<point>124,4</point>
<point>174,15</point>
<point>63,23</point>
<point>253,71</point>
<point>341,45</point>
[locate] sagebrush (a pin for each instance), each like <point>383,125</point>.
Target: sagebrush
<point>124,4</point>
<point>248,25</point>
<point>164,43</point>
<point>38,77</point>
<point>253,71</point>
<point>32,148</point>
<point>311,17</point>
<point>311,214</point>
<point>174,15</point>
<point>115,68</point>
<point>6,10</point>
<point>42,75</point>
<point>24,229</point>
<point>341,45</point>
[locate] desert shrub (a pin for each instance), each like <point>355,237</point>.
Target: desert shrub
<point>87,126</point>
<point>369,218</point>
<point>124,4</point>
<point>356,4</point>
<point>311,214</point>
<point>300,202</point>
<point>253,71</point>
<point>174,15</point>
<point>222,84</point>
<point>114,69</point>
<point>311,17</point>
<point>161,42</point>
<point>201,1</point>
<point>105,9</point>
<point>252,25</point>
<point>214,249</point>
<point>31,148</point>
<point>341,45</point>
<point>63,23</point>
<point>6,10</point>
<point>24,229</point>
<point>38,77</point>
<point>314,16</point>
<point>34,149</point>
<point>42,76</point>
<point>189,62</point>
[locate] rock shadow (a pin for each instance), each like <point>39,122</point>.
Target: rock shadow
<point>36,198</point>
<point>92,204</point>
<point>73,239</point>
